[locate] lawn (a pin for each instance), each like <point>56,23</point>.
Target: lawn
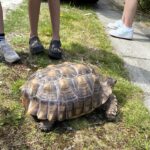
<point>83,40</point>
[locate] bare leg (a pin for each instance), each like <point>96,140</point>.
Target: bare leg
<point>125,31</point>
<point>55,51</point>
<point>1,20</point>
<point>35,44</point>
<point>129,12</point>
<point>34,11</point>
<point>54,8</point>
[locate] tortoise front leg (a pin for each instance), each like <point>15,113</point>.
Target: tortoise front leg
<point>111,108</point>
<point>45,125</point>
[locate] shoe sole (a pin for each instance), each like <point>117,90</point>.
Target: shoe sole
<point>12,60</point>
<point>36,51</point>
<point>54,56</point>
<point>122,38</point>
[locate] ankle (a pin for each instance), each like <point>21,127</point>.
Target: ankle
<point>33,35</point>
<point>56,38</point>
<point>127,27</point>
<point>55,41</point>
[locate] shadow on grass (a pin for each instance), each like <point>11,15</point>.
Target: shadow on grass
<point>106,60</point>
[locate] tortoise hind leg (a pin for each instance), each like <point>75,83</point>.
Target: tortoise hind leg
<point>111,108</point>
<point>45,125</point>
<point>35,118</point>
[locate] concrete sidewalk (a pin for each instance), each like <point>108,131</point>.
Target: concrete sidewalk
<point>9,5</point>
<point>135,53</point>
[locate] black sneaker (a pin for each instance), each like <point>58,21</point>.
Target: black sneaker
<point>55,51</point>
<point>35,45</point>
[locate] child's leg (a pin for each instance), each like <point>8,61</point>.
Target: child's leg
<point>129,12</point>
<point>1,23</point>
<point>55,51</point>
<point>35,44</point>
<point>34,11</point>
<point>54,6</point>
<point>5,50</point>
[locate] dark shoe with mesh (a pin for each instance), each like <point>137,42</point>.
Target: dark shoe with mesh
<point>55,51</point>
<point>35,45</point>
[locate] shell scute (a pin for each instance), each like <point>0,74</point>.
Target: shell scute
<point>67,92</point>
<point>52,110</point>
<point>83,86</point>
<point>78,107</point>
<point>33,107</point>
<point>42,110</point>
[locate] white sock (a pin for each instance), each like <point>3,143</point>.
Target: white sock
<point>127,28</point>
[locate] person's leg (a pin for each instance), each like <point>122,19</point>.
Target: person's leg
<point>126,30</point>
<point>2,35</point>
<point>129,12</point>
<point>55,51</point>
<point>1,20</point>
<point>118,23</point>
<point>5,50</point>
<point>34,11</point>
<point>54,7</point>
<point>35,45</point>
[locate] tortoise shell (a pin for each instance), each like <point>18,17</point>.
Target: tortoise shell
<point>65,91</point>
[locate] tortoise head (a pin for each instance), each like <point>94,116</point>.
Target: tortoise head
<point>107,86</point>
<point>111,82</point>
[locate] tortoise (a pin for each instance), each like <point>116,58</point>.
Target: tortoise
<point>66,91</point>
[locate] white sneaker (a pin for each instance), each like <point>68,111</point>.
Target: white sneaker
<point>115,25</point>
<point>7,52</point>
<point>123,33</point>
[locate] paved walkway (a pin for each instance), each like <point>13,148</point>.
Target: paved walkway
<point>9,5</point>
<point>135,53</point>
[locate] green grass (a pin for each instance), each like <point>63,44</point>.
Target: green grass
<point>83,39</point>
